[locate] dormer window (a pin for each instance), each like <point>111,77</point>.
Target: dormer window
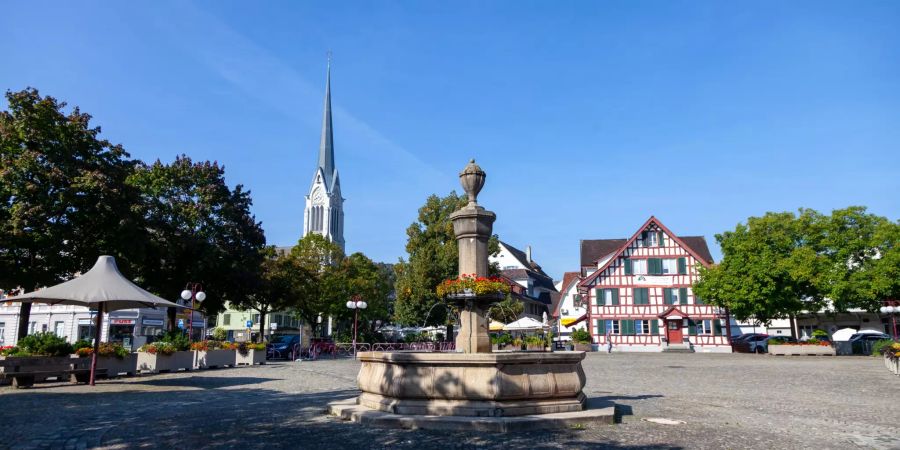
<point>652,238</point>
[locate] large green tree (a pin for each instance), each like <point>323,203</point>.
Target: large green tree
<point>433,258</point>
<point>779,264</point>
<point>197,229</point>
<point>63,196</point>
<point>315,262</point>
<point>275,289</point>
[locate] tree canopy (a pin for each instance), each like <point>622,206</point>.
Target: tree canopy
<point>433,258</point>
<point>783,263</point>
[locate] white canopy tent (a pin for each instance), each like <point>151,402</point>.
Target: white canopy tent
<point>102,288</point>
<point>525,324</point>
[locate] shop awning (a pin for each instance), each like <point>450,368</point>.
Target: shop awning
<point>569,321</point>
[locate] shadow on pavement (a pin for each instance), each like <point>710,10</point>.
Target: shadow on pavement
<point>231,412</point>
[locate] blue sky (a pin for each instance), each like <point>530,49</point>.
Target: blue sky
<point>587,116</point>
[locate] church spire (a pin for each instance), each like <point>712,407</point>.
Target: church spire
<point>326,145</point>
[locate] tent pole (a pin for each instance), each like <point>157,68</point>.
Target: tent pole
<point>97,333</point>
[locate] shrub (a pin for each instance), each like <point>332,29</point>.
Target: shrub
<point>219,334</point>
<point>581,336</point>
<point>820,334</point>
<point>10,350</point>
<point>159,347</point>
<point>200,345</point>
<point>44,344</point>
<point>534,341</point>
<point>813,341</point>
<point>107,349</point>
<point>879,346</point>
<point>80,344</point>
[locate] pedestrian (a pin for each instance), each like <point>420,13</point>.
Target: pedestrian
<point>608,343</point>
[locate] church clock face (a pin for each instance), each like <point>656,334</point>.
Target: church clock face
<point>318,197</point>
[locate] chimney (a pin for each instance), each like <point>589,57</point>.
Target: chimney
<point>528,253</point>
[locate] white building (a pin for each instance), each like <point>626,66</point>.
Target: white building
<point>538,294</point>
<point>571,311</point>
<point>130,327</point>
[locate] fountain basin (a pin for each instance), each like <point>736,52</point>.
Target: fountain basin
<point>472,384</point>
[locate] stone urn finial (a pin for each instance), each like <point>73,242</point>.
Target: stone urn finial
<point>472,180</point>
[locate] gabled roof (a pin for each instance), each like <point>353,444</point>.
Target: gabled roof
<point>568,279</point>
<point>698,245</point>
<point>704,258</point>
<point>594,249</point>
<point>540,280</point>
<point>522,258</point>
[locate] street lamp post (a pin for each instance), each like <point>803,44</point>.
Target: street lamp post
<point>356,304</point>
<point>193,291</point>
<point>892,308</point>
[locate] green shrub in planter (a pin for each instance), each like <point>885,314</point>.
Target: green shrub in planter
<point>44,344</point>
<point>581,336</point>
<point>820,334</point>
<point>879,346</point>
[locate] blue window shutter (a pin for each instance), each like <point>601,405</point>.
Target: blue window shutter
<point>692,327</point>
<point>667,294</point>
<point>682,266</point>
<point>615,296</point>
<point>601,327</point>
<point>654,326</point>
<point>659,237</point>
<point>629,270</point>
<point>598,296</point>
<point>682,296</point>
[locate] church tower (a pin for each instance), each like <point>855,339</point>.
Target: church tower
<point>324,212</point>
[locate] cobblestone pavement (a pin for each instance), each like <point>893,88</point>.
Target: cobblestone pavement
<point>725,401</point>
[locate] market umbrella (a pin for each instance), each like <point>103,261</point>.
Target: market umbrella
<point>524,324</point>
<point>496,326</point>
<point>102,288</point>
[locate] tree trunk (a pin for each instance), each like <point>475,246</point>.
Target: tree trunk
<point>170,314</point>
<point>262,324</point>
<point>24,317</point>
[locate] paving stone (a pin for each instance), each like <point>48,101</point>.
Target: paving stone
<point>726,401</point>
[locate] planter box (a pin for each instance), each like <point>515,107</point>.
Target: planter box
<point>893,365</point>
<point>583,347</point>
<point>24,371</point>
<point>150,363</point>
<point>252,357</point>
<point>798,350</point>
<point>115,366</point>
<point>215,358</point>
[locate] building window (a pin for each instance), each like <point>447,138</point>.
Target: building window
<point>652,238</point>
<point>613,326</point>
<point>669,266</point>
<point>639,266</point>
<point>31,327</point>
<point>704,327</point>
<point>608,297</point>
<point>642,327</point>
<point>226,320</point>
<point>254,318</point>
<point>2,332</point>
<point>59,328</point>
<point>641,296</point>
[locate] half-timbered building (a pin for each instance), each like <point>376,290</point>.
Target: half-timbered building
<point>639,293</point>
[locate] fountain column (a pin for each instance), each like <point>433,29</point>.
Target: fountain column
<point>472,226</point>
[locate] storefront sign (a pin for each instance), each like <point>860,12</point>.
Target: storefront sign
<point>199,323</point>
<point>649,280</point>
<point>152,322</point>
<point>122,321</point>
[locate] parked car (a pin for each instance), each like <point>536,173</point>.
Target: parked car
<point>761,345</point>
<point>745,336</point>
<point>861,343</point>
<point>282,346</point>
<point>748,343</point>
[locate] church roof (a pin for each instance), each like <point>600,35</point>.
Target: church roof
<point>326,145</point>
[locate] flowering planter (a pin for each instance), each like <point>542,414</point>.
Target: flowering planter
<point>252,357</point>
<point>24,371</point>
<point>155,363</point>
<point>799,350</point>
<point>215,358</point>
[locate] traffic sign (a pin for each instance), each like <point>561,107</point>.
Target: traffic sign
<point>249,324</point>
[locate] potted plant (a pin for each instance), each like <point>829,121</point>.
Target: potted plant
<point>37,357</point>
<point>534,343</point>
<point>890,351</point>
<point>582,340</point>
<point>812,346</point>
<point>112,357</point>
<point>250,353</point>
<point>171,353</point>
<point>213,354</point>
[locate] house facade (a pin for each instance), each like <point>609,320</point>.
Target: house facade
<point>639,293</point>
<point>530,284</point>
<point>571,311</point>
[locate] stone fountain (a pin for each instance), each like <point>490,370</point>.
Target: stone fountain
<point>434,389</point>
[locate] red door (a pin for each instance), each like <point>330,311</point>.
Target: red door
<point>673,331</point>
